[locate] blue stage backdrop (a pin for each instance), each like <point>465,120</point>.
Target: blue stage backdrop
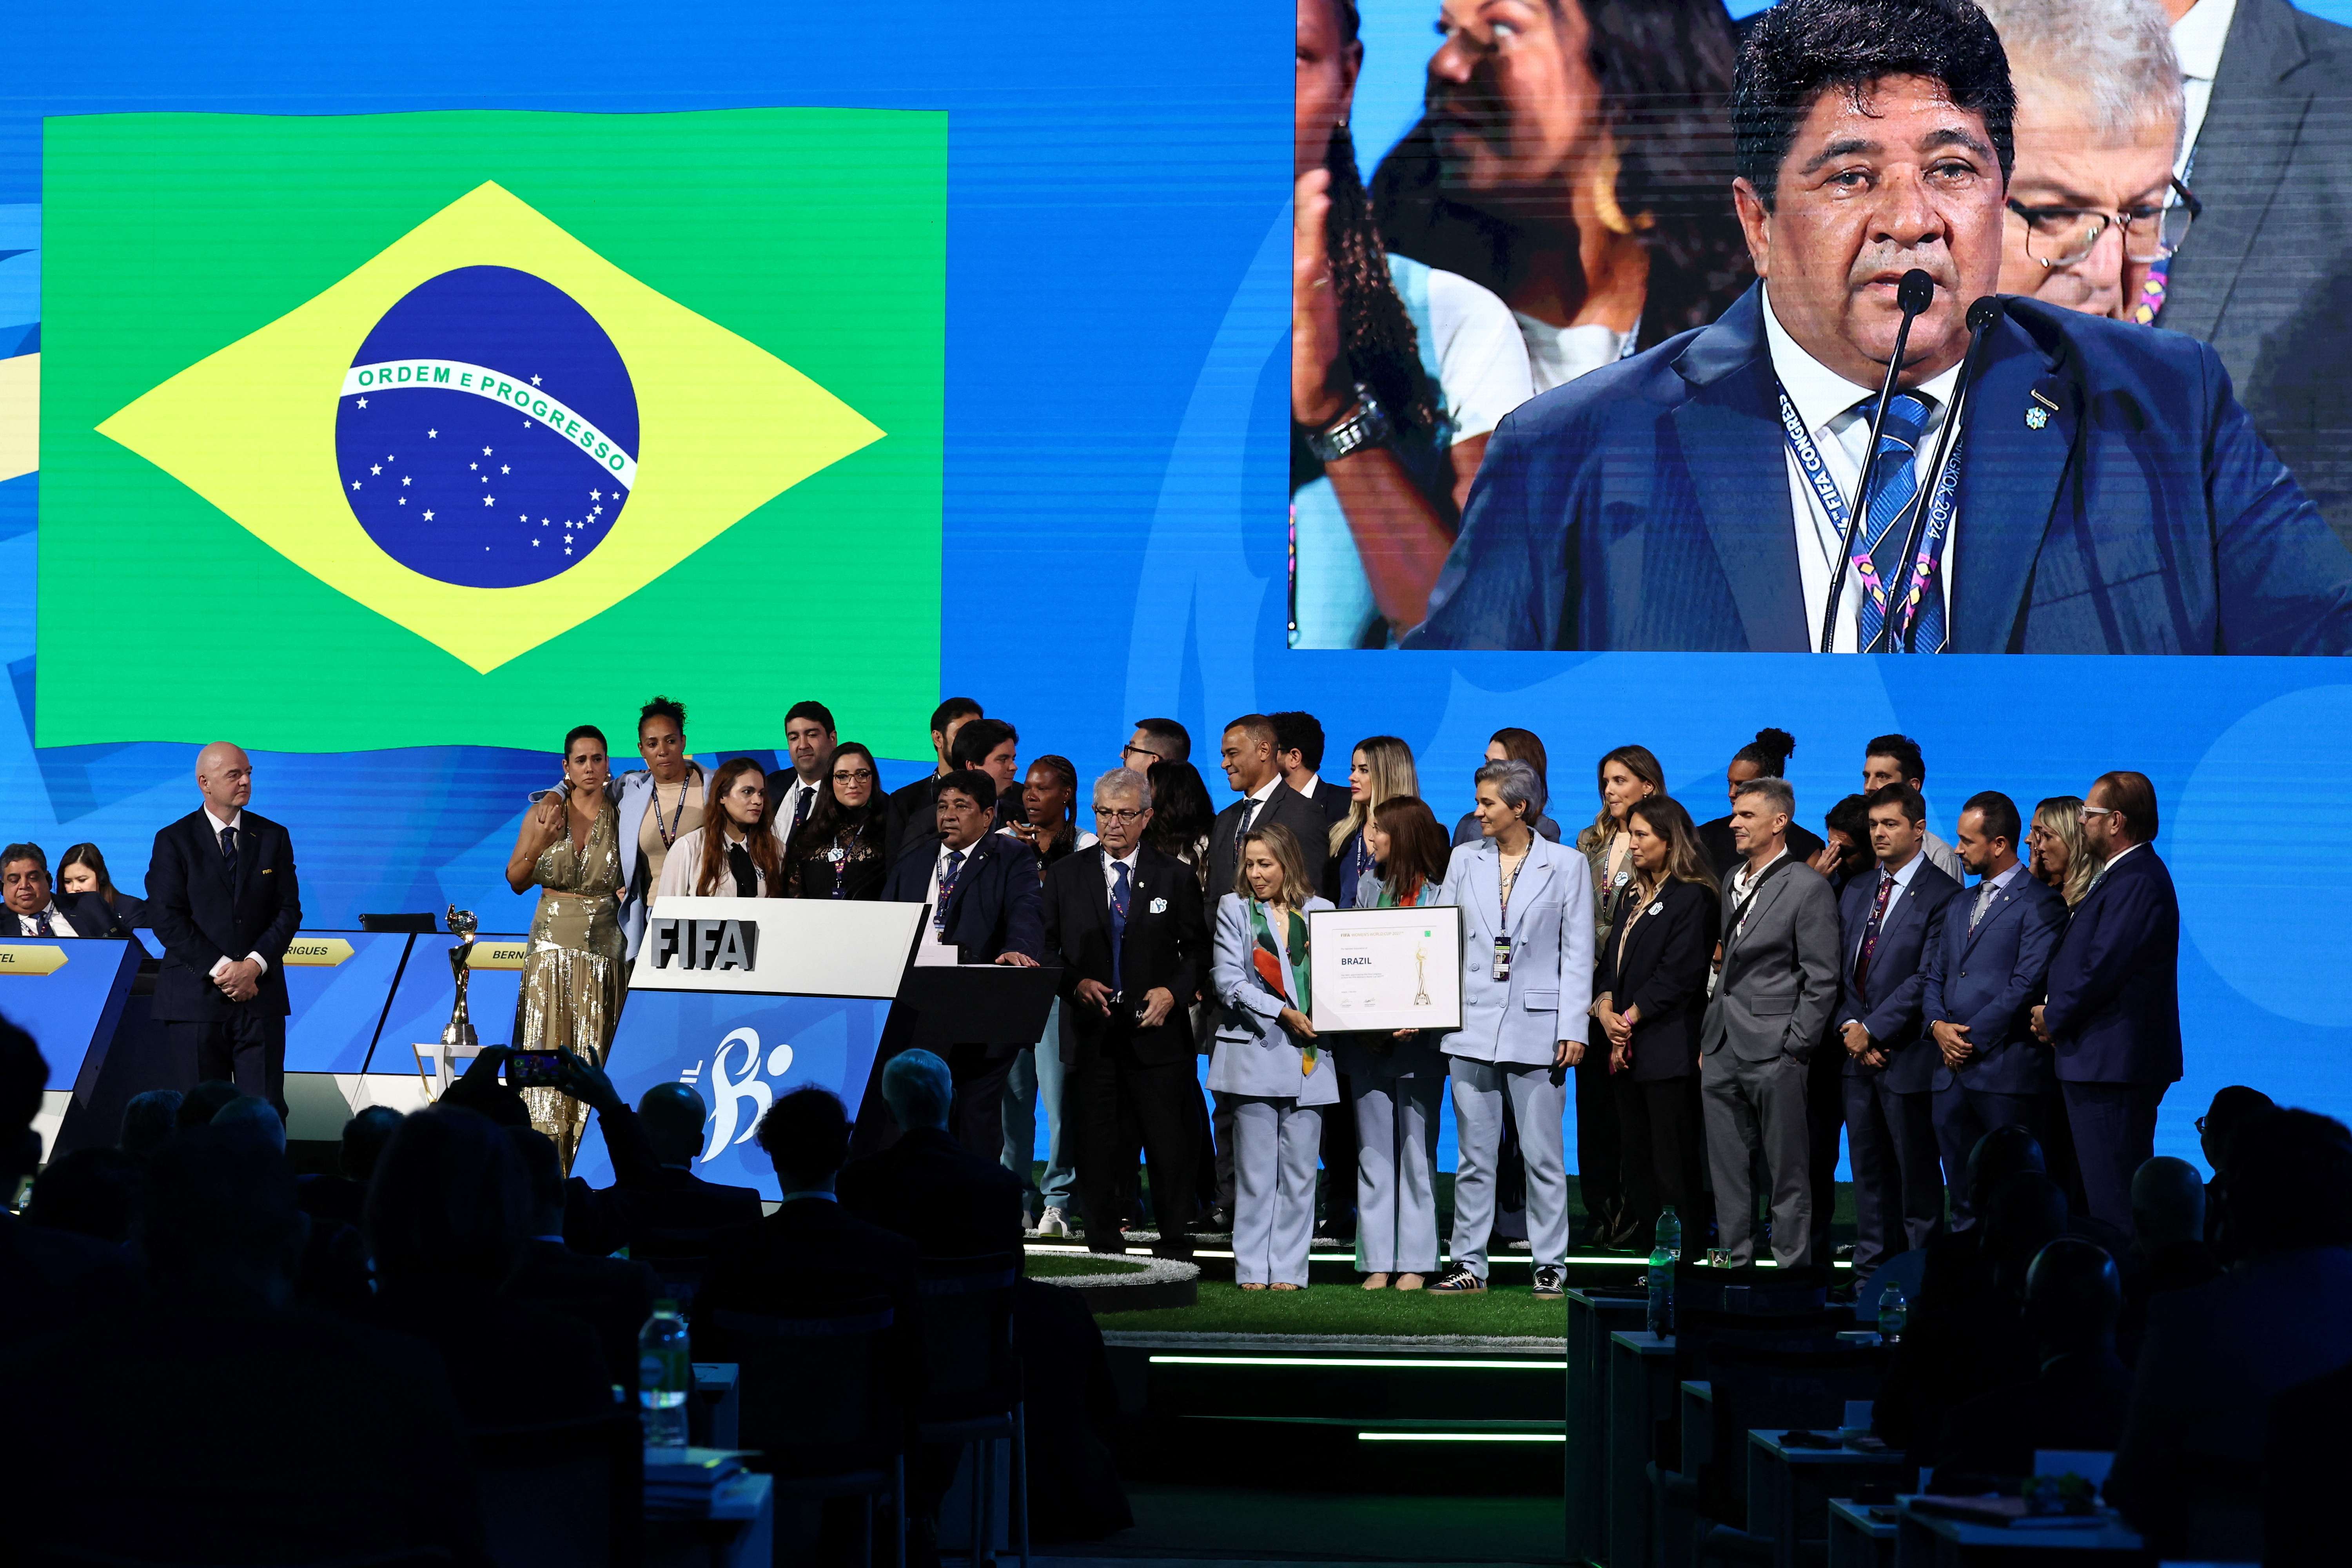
<point>1107,435</point>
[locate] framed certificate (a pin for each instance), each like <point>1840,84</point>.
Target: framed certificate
<point>1386,969</point>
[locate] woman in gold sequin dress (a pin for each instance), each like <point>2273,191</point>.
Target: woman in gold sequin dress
<point>572,975</point>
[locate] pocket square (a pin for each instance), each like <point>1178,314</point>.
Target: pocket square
<point>1158,906</point>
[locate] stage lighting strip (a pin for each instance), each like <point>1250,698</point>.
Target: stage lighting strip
<point>1447,1363</point>
<point>1621,1259</point>
<point>1461,1437</point>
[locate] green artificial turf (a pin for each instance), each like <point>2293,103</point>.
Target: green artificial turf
<point>1063,1265</point>
<point>1346,1309</point>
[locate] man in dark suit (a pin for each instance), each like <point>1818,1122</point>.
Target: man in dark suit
<point>947,1200</point>
<point>34,910</point>
<point>2265,274</point>
<point>1126,924</point>
<point>656,1205</point>
<point>1776,987</point>
<point>911,804</point>
<point>613,1296</point>
<point>2113,495</point>
<point>1888,922</point>
<point>982,889</point>
<point>809,741</point>
<point>2113,1014</point>
<point>1299,754</point>
<point>1979,988</point>
<point>1253,773</point>
<point>222,898</point>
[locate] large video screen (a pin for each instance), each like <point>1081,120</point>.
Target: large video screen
<point>391,395</point>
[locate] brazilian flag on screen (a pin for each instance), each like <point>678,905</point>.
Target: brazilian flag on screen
<point>419,429</point>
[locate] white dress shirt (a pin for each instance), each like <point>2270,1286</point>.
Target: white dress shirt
<point>1257,799</point>
<point>1743,881</point>
<point>789,801</point>
<point>1909,869</point>
<point>1110,876</point>
<point>2196,40</point>
<point>235,824</point>
<point>2016,870</point>
<point>931,952</point>
<point>1829,405</point>
<point>58,925</point>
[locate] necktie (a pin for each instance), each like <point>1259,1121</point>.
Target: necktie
<point>1249,817</point>
<point>1879,543</point>
<point>1984,903</point>
<point>1870,937</point>
<point>947,889</point>
<point>228,853</point>
<point>1118,919</point>
<point>746,875</point>
<point>801,807</point>
<point>41,926</point>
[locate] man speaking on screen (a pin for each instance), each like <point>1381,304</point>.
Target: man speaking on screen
<point>2100,491</point>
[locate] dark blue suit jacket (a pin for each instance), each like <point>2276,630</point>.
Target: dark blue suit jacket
<point>199,918</point>
<point>996,907</point>
<point>1989,980</point>
<point>1646,506</point>
<point>1891,1009</point>
<point>2113,1007</point>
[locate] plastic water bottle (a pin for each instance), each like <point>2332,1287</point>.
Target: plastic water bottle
<point>665,1376</point>
<point>1670,1232</point>
<point>1661,1280</point>
<point>1894,1315</point>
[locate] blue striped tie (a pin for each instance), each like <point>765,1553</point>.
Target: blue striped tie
<point>1878,545</point>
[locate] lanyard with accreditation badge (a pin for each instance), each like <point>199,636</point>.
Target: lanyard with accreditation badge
<point>1945,498</point>
<point>1503,886</point>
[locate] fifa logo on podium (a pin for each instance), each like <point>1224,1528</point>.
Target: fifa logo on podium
<point>729,1091</point>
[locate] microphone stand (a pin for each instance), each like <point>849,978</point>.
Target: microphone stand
<point>1982,317</point>
<point>1915,294</point>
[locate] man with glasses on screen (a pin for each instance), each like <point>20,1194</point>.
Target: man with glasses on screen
<point>2105,493</point>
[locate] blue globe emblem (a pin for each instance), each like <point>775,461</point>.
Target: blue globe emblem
<point>487,434</point>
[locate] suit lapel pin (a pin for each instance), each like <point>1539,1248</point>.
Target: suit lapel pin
<point>2038,412</point>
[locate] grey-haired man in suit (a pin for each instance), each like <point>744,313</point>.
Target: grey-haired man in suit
<point>1776,984</point>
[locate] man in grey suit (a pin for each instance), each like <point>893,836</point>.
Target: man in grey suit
<point>1775,985</point>
<point>2265,272</point>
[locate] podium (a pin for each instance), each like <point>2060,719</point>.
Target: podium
<point>745,999</point>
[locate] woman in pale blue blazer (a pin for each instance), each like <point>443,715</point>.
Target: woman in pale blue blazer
<point>1527,984</point>
<point>1397,1078</point>
<point>1268,1060</point>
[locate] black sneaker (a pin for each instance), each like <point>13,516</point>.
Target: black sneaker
<point>1550,1282</point>
<point>1459,1281</point>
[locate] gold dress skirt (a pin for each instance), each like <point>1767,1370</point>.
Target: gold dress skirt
<point>573,974</point>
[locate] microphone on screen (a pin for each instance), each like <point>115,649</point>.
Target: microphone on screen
<point>1983,315</point>
<point>1913,292</point>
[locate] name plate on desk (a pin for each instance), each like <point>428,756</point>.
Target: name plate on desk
<point>776,947</point>
<point>1386,969</point>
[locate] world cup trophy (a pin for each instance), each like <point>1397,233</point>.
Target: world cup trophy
<point>459,1030</point>
<point>1420,975</point>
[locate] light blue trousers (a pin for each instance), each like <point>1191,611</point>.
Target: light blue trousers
<point>1396,1174</point>
<point>1036,1076</point>
<point>1539,1105</point>
<point>1277,1144</point>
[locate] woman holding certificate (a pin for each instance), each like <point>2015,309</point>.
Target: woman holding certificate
<point>1397,1078</point>
<point>1651,1000</point>
<point>1268,1058</point>
<point>731,856</point>
<point>1526,980</point>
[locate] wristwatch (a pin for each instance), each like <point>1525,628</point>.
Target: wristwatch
<point>1365,424</point>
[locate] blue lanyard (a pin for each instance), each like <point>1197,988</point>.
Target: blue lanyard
<point>1941,504</point>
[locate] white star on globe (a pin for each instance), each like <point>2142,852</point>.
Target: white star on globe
<point>534,381</point>
<point>534,545</point>
<point>473,465</point>
<point>404,501</point>
<point>363,402</point>
<point>489,501</point>
<point>404,478</point>
<point>375,468</point>
<point>429,515</point>
<point>355,484</point>
<point>486,451</point>
<point>504,470</point>
<point>431,435</point>
<point>595,495</point>
<point>567,538</point>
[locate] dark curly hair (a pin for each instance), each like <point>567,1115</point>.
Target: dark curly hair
<point>1664,68</point>
<point>1801,48</point>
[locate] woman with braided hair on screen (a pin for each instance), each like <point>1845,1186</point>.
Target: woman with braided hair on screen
<point>1398,373</point>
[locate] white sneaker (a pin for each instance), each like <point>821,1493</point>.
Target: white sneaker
<point>1052,1223</point>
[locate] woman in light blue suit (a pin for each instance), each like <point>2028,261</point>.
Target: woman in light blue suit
<point>1268,1060</point>
<point>1397,1078</point>
<point>1527,984</point>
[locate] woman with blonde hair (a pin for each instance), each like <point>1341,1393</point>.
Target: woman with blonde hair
<point>1381,769</point>
<point>731,856</point>
<point>1268,1060</point>
<point>2063,857</point>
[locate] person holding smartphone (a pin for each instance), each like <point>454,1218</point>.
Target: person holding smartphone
<point>1268,1060</point>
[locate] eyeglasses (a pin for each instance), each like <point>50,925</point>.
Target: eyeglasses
<point>859,776</point>
<point>2062,237</point>
<point>1113,813</point>
<point>2096,811</point>
<point>1127,752</point>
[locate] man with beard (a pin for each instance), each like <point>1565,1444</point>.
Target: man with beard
<point>2106,493</point>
